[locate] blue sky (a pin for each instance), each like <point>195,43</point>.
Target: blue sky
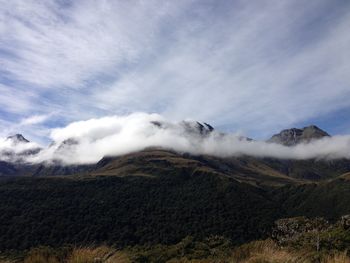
<point>250,66</point>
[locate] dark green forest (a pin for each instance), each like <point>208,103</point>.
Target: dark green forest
<point>130,210</point>
<point>123,211</point>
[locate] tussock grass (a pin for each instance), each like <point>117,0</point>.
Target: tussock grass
<point>100,254</point>
<point>38,258</point>
<point>263,251</point>
<point>337,258</point>
<point>90,255</point>
<point>266,251</point>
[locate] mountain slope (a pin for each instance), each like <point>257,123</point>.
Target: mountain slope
<point>327,199</point>
<point>131,209</point>
<point>256,171</point>
<point>165,208</point>
<point>154,161</point>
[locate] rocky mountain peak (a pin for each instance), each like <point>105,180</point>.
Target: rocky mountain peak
<point>195,127</point>
<point>191,127</point>
<point>290,137</point>
<point>17,138</point>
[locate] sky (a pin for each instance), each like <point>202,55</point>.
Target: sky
<point>253,67</point>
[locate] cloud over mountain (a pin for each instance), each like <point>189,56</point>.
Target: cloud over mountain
<point>90,140</point>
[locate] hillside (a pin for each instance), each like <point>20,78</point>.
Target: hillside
<point>161,196</point>
<point>153,161</point>
<point>154,208</point>
<point>131,210</point>
<point>252,170</point>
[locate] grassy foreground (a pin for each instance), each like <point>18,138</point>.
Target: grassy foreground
<point>215,249</point>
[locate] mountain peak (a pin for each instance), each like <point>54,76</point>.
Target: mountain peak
<point>196,127</point>
<point>191,127</point>
<point>17,138</point>
<point>293,136</point>
<point>316,130</point>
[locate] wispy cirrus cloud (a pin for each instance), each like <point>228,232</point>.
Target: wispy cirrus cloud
<point>35,119</point>
<point>258,66</point>
<point>256,63</point>
<point>53,44</point>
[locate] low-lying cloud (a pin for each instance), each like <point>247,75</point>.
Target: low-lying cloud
<point>90,140</point>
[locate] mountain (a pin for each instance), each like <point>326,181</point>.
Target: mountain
<point>156,161</point>
<point>17,138</point>
<point>160,196</point>
<point>17,150</point>
<point>153,161</point>
<point>252,170</point>
<point>197,127</point>
<point>159,205</point>
<point>291,137</point>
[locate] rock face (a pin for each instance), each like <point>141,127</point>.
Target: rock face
<point>294,136</point>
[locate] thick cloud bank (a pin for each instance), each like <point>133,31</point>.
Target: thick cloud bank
<point>88,141</point>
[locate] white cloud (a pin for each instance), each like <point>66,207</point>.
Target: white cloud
<point>89,141</point>
<point>35,119</point>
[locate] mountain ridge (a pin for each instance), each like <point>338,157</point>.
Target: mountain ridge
<point>160,195</point>
<point>153,161</point>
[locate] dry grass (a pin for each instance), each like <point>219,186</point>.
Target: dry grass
<point>254,252</point>
<point>101,254</point>
<point>90,255</point>
<point>268,252</point>
<point>6,261</point>
<point>40,258</point>
<point>119,257</point>
<point>345,176</point>
<point>337,258</point>
<point>262,251</point>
